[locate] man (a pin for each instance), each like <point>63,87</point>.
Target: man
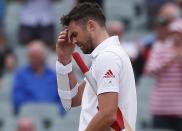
<point>35,82</point>
<point>111,69</point>
<point>153,8</point>
<point>4,52</point>
<point>167,13</point>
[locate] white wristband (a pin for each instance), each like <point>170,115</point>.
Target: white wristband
<point>74,91</point>
<point>67,95</point>
<point>63,69</point>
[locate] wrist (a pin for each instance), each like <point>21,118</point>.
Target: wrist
<point>64,61</point>
<point>63,69</point>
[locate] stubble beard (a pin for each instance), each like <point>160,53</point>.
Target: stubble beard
<point>88,48</point>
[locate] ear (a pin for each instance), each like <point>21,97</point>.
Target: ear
<point>91,25</point>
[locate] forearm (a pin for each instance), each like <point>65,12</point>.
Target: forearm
<point>107,114</point>
<point>67,82</point>
<point>154,68</point>
<point>163,67</point>
<point>76,101</point>
<point>101,122</point>
<point>68,87</point>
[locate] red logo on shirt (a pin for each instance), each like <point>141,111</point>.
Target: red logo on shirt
<point>109,74</point>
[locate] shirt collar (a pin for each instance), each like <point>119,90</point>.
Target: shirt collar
<point>107,42</point>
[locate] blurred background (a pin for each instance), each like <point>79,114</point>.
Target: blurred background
<point>150,32</point>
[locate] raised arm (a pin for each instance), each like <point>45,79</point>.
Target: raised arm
<point>69,90</point>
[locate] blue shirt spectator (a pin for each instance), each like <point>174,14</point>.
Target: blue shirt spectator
<point>30,87</point>
<point>35,82</point>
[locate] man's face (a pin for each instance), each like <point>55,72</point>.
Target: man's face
<point>36,54</point>
<point>79,35</point>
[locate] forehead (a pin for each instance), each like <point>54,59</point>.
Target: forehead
<point>74,27</point>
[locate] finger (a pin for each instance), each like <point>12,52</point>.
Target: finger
<point>62,36</point>
<point>64,31</point>
<point>61,40</point>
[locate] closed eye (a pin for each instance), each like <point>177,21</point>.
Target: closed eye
<point>74,34</point>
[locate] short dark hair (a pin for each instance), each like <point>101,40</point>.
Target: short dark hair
<point>83,12</point>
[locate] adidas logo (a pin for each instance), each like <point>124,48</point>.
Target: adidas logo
<point>109,74</point>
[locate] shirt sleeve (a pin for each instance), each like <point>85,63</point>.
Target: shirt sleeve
<point>19,94</point>
<point>107,71</point>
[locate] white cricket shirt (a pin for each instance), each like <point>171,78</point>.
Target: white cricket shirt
<point>111,68</point>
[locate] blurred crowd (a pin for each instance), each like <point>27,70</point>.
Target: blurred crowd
<point>149,30</point>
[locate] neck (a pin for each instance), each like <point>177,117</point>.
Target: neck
<point>101,37</point>
<point>38,70</point>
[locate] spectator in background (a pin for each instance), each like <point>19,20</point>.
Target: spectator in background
<point>4,52</point>
<point>37,22</point>
<point>35,82</point>
<point>10,63</point>
<point>165,64</point>
<point>25,125</point>
<point>167,13</point>
<point>153,7</point>
<point>116,28</point>
<point>6,81</point>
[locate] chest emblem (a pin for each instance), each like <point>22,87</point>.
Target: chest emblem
<point>109,74</point>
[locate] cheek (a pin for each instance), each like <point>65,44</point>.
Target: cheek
<point>80,39</point>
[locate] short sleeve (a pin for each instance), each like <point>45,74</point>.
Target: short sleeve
<point>107,72</point>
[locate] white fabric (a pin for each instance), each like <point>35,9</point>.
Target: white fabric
<point>63,69</point>
<point>91,80</point>
<point>37,12</point>
<point>74,91</point>
<point>176,26</point>
<point>64,85</point>
<point>109,55</point>
<point>64,90</point>
<point>67,95</point>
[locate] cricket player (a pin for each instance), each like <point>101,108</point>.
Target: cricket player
<point>111,69</point>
